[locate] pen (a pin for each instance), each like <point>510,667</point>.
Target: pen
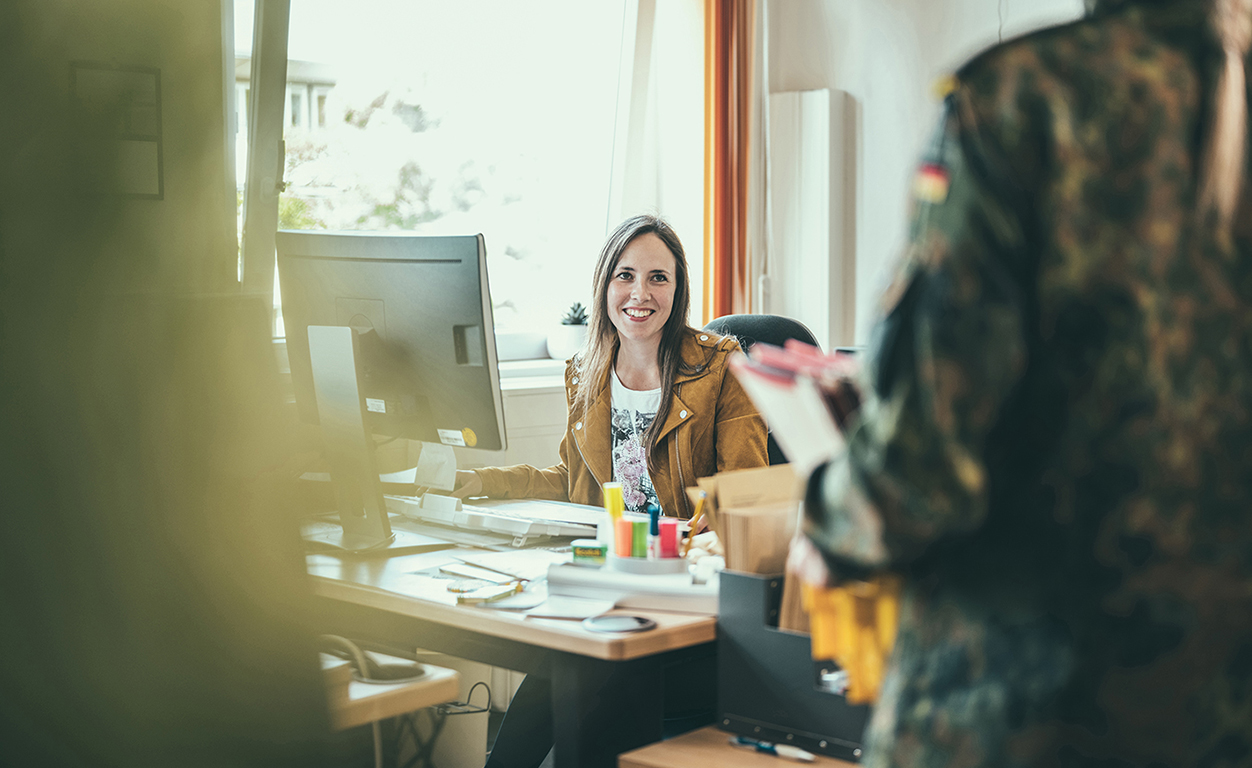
<point>695,520</point>
<point>654,531</point>
<point>488,594</point>
<point>468,571</point>
<point>778,750</point>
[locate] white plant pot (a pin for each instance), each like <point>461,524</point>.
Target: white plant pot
<point>565,340</point>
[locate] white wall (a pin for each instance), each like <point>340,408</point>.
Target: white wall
<point>886,54</point>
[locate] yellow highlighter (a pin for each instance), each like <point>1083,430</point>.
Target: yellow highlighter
<point>614,507</point>
<point>614,504</point>
<point>696,517</point>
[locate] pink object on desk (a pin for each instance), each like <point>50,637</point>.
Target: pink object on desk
<point>669,537</point>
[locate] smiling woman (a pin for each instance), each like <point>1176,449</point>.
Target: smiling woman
<point>639,299</point>
<point>648,391</point>
<point>638,321</point>
<point>652,406</point>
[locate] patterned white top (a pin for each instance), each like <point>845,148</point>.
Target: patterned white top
<point>633,413</point>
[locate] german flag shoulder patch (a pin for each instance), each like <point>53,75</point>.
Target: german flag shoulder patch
<point>930,185</point>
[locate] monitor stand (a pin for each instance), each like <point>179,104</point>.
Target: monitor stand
<point>365,529</point>
<point>338,541</point>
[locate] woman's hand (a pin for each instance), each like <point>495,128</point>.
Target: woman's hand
<point>468,483</point>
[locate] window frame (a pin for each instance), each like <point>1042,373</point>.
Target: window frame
<point>266,152</point>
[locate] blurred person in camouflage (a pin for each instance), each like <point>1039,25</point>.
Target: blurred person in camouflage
<point>1055,443</point>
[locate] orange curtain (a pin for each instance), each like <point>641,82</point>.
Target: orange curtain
<point>728,41</point>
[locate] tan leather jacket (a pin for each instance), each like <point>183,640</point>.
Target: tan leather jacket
<point>712,427</point>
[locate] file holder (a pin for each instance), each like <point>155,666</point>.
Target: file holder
<point>768,685</point>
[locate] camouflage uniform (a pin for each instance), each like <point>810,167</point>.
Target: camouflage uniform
<point>1056,442</point>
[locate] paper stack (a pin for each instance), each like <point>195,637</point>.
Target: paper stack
<point>754,512</point>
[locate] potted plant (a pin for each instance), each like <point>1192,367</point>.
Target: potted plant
<point>569,337</point>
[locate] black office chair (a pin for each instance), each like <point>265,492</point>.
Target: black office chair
<point>771,329</point>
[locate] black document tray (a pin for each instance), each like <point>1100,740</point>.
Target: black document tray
<point>768,686</point>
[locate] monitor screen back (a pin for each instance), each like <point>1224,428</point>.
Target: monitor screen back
<point>421,307</point>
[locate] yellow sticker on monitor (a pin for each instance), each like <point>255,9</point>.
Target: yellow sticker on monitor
<point>471,439</point>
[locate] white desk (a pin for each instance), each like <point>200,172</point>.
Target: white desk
<point>383,602</point>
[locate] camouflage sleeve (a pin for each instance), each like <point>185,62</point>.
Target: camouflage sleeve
<point>945,356</point>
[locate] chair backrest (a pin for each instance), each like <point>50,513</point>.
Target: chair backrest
<point>771,329</point>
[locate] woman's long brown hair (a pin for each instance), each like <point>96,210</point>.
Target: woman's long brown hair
<point>602,341</point>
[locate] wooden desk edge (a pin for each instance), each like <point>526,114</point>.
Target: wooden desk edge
<point>568,636</point>
<point>710,748</point>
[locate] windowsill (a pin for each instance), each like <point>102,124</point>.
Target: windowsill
<point>514,374</point>
<point>513,369</point>
<point>532,376</point>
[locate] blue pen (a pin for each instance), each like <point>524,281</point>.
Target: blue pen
<point>654,531</point>
<point>777,750</point>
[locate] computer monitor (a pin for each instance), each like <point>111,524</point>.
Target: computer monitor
<point>391,335</point>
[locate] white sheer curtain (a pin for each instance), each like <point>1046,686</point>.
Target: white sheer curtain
<point>658,157</point>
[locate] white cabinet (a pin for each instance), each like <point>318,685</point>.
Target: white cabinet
<point>534,422</point>
<point>811,274</point>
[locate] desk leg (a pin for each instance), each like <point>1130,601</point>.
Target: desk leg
<point>601,709</point>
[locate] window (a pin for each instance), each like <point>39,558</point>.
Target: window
<point>491,116</point>
<point>480,116</point>
<point>297,109</point>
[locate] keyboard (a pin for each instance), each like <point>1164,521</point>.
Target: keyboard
<point>525,520</point>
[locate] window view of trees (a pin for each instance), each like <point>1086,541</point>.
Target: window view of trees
<point>486,116</point>
<point>337,179</point>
